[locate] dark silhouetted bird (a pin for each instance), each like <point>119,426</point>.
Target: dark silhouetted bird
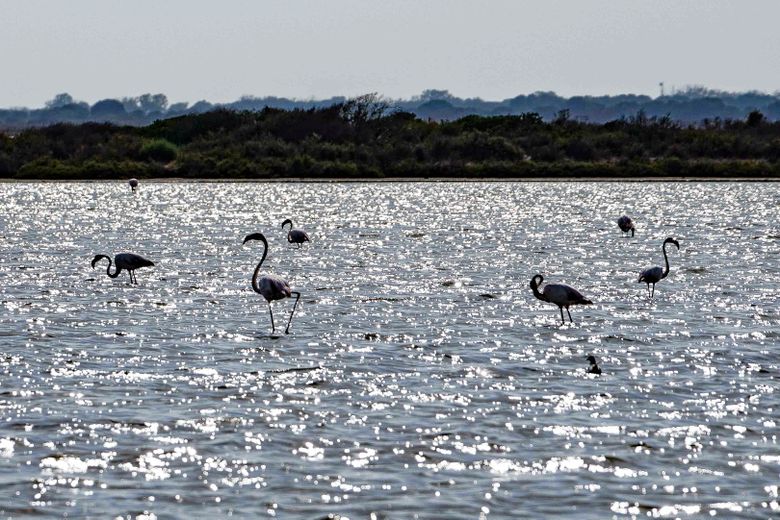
<point>626,224</point>
<point>593,368</point>
<point>559,294</point>
<point>653,275</point>
<point>295,236</point>
<point>127,261</point>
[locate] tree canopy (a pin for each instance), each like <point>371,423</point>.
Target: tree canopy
<point>365,137</point>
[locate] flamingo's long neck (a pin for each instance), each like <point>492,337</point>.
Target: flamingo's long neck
<point>535,289</point>
<point>666,259</point>
<point>108,269</point>
<point>256,274</point>
<point>289,239</point>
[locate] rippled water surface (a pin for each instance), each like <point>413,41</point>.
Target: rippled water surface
<point>420,378</point>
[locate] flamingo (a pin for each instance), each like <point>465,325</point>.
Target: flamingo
<point>593,368</point>
<point>269,286</point>
<point>626,224</point>
<point>653,275</point>
<point>559,294</point>
<point>295,236</point>
<point>133,184</point>
<point>128,261</point>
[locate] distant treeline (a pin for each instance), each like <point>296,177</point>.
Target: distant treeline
<point>366,138</point>
<point>692,105</point>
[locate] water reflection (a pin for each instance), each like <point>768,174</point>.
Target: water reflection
<point>421,375</point>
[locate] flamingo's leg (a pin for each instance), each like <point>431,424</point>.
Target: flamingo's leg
<point>297,297</point>
<point>561,309</point>
<point>653,291</point>
<point>273,328</point>
<point>567,312</point>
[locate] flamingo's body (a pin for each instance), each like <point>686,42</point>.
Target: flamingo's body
<point>269,286</point>
<point>653,275</point>
<point>593,368</point>
<point>126,261</point>
<point>626,224</point>
<point>133,184</point>
<point>295,236</point>
<point>559,294</point>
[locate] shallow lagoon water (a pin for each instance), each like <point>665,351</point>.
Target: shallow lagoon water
<point>420,379</point>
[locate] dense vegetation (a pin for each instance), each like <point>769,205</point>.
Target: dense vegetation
<point>362,138</point>
<point>690,105</point>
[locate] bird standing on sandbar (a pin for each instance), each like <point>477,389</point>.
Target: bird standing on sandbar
<point>133,184</point>
<point>127,261</point>
<point>653,275</point>
<point>559,294</point>
<point>295,236</point>
<point>626,224</point>
<point>269,286</point>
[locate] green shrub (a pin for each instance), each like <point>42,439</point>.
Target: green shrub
<point>159,150</point>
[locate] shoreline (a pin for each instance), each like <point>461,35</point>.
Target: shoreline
<point>345,180</point>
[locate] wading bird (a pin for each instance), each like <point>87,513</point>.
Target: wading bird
<point>133,184</point>
<point>295,236</point>
<point>559,294</point>
<point>626,224</point>
<point>593,368</point>
<point>269,286</point>
<point>653,275</point>
<point>128,261</point>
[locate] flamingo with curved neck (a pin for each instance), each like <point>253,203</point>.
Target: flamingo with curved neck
<point>124,261</point>
<point>295,236</point>
<point>653,275</point>
<point>269,286</point>
<point>559,294</point>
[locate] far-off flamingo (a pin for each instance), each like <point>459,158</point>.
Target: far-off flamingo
<point>128,261</point>
<point>653,275</point>
<point>626,224</point>
<point>295,236</point>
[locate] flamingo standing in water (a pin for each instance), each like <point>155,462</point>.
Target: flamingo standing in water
<point>559,294</point>
<point>269,286</point>
<point>626,224</point>
<point>653,275</point>
<point>128,261</point>
<point>295,236</point>
<point>133,184</point>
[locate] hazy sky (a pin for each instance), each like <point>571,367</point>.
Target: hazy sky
<point>221,50</point>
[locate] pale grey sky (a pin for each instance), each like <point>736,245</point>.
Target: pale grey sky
<point>494,49</point>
